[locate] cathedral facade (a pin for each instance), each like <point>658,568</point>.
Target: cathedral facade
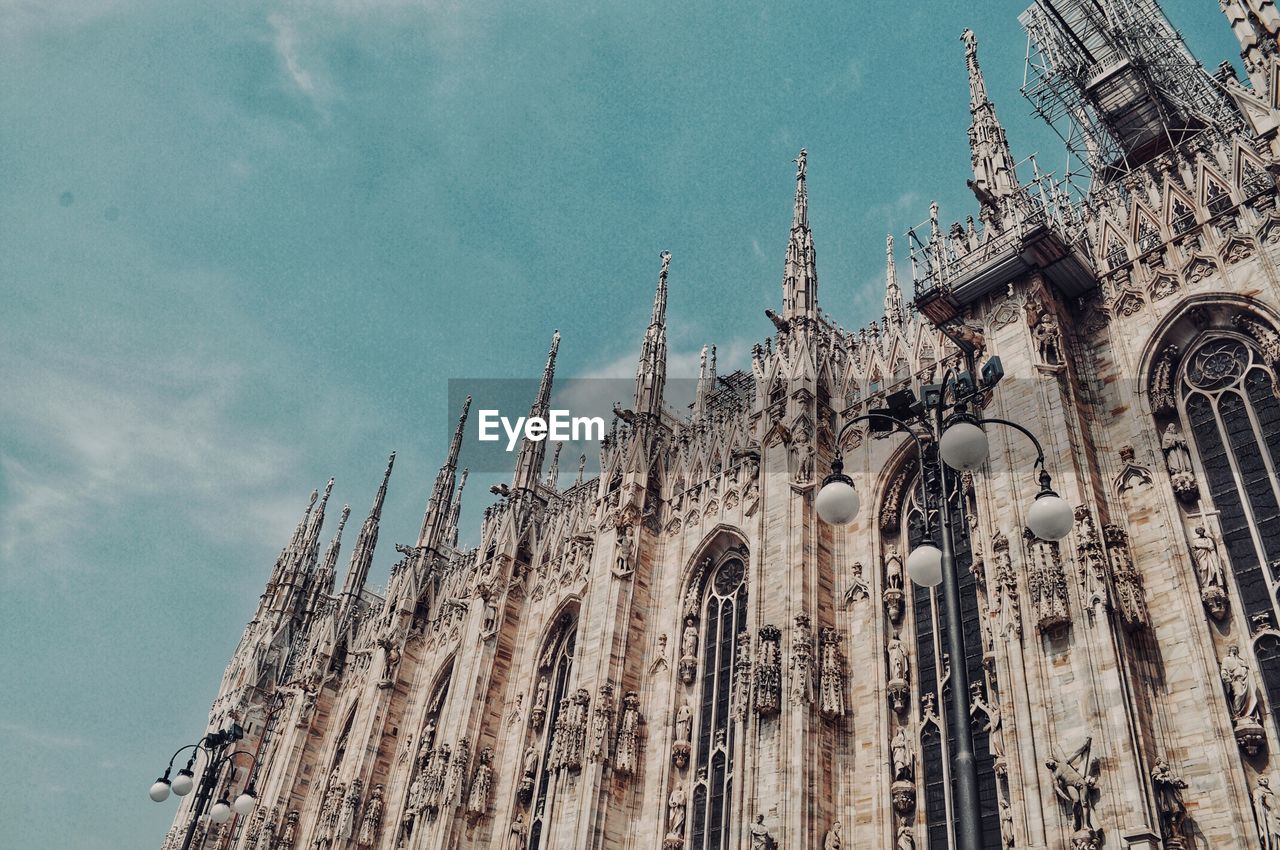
<point>679,655</point>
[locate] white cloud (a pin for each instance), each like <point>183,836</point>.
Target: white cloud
<point>287,47</point>
<point>83,439</point>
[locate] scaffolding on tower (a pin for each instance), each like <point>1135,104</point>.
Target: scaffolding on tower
<point>1116,82</point>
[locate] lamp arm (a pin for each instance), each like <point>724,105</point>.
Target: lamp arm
<point>1039,463</point>
<point>899,425</point>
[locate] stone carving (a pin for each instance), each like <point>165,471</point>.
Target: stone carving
<point>372,817</point>
<point>1130,597</point>
<point>1006,586</point>
<point>1242,699</point>
<point>1169,803</point>
<point>741,704</point>
<point>857,589</point>
<point>330,810</point>
<point>455,789</point>
<point>516,833</point>
<point>489,626</point>
<point>898,686</point>
<point>831,682</point>
<point>1267,814</point>
<point>1047,584</point>
<point>1268,340</point>
<point>576,739</point>
<point>893,586</point>
<point>1209,569</point>
<point>1178,461</point>
<point>290,833</point>
<point>350,806</point>
<point>802,662</point>
<point>622,567</point>
<point>802,451</point>
<point>1007,836</point>
<point>991,711</point>
<point>676,804</point>
<point>902,755</point>
<point>769,672</point>
<point>1091,558</point>
<point>689,651</point>
<point>890,513</point>
<point>660,660</point>
<point>539,712</point>
<point>1162,398</point>
<point>627,756</point>
<point>1075,779</point>
<point>683,736</point>
<point>390,661</point>
<point>832,840</point>
<point>1047,334</point>
<point>602,720</point>
<point>266,838</point>
<point>528,773</point>
<point>760,837</point>
<point>1132,474</point>
<point>481,783</point>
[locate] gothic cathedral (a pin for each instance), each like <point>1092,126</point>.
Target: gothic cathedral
<point>679,655</point>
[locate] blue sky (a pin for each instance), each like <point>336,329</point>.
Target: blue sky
<point>243,246</point>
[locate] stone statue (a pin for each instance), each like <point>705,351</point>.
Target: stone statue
<point>350,804</point>
<point>684,722</point>
<point>530,761</point>
<point>903,758</point>
<point>1176,455</point>
<point>906,838</point>
<point>1241,690</point>
<point>832,840</point>
<point>1168,788</point>
<point>481,782</point>
<point>801,163</point>
<point>660,655</point>
<point>760,837</point>
<point>622,564</point>
<point>831,677</point>
<point>1074,779</point>
<point>372,817</point>
<point>689,642</point>
<point>1208,562</point>
<point>897,660</point>
<point>892,567</point>
<point>1006,825</point>
<point>290,833</point>
<point>675,813</point>
<point>490,626</point>
<point>516,834</point>
<point>803,450</point>
<point>1267,814</point>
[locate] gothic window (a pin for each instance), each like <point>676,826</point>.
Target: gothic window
<point>724,617</point>
<point>930,621</point>
<point>1147,235</point>
<point>1182,217</point>
<point>1234,418</point>
<point>1216,199</point>
<point>1117,254</point>
<point>1253,181</point>
<point>556,665</point>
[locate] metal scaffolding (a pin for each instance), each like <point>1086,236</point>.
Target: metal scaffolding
<point>1117,83</point>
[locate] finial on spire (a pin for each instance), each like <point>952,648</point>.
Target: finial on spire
<point>994,180</point>
<point>582,465</point>
<point>532,452</point>
<point>553,474</point>
<point>651,372</point>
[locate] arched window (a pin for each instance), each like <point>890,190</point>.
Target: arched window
<point>724,617</point>
<point>555,666</point>
<point>930,621</point>
<point>1226,394</point>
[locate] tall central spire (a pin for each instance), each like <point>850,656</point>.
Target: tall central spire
<point>995,182</point>
<point>532,452</point>
<point>436,518</point>
<point>651,374</point>
<point>800,275</point>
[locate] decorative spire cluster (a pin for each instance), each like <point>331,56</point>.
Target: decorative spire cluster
<point>366,541</point>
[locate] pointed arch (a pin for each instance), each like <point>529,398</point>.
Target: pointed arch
<point>1251,177</point>
<point>1145,228</point>
<point>1214,190</point>
<point>1179,209</point>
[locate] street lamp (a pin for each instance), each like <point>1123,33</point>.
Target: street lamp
<point>943,417</point>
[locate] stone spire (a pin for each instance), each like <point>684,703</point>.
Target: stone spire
<point>529,463</point>
<point>800,275</point>
<point>311,541</point>
<point>651,374</point>
<point>455,512</point>
<point>893,316</point>
<point>362,554</point>
<point>994,182</point>
<point>706,381</point>
<point>553,474</point>
<point>322,583</point>
<point>437,515</point>
<point>1256,24</point>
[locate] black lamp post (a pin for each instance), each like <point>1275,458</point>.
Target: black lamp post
<point>944,417</point>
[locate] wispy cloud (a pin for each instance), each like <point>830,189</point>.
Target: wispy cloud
<point>41,738</point>
<point>83,439</point>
